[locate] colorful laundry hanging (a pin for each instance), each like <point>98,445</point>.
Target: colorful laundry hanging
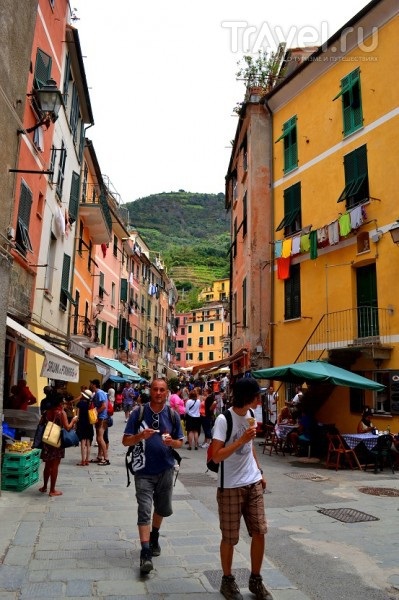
<point>333,233</point>
<point>322,236</point>
<point>305,243</point>
<point>278,247</point>
<point>344,224</point>
<point>287,246</point>
<point>356,217</point>
<point>296,245</point>
<point>283,267</point>
<point>313,244</point>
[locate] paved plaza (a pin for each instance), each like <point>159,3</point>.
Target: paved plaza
<point>84,544</point>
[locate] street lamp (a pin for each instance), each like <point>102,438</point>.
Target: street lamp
<point>99,309</point>
<point>48,101</point>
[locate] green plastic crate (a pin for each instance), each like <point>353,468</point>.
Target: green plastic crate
<point>16,481</point>
<point>13,461</point>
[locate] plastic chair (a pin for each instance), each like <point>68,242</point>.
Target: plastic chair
<point>337,449</point>
<point>381,453</point>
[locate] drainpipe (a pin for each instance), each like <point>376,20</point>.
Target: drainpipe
<point>272,319</point>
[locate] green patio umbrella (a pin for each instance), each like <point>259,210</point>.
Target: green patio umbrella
<point>318,371</point>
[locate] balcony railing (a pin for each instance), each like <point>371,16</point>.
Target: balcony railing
<point>359,328</point>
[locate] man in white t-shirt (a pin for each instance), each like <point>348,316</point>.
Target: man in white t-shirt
<point>242,491</point>
<point>272,398</point>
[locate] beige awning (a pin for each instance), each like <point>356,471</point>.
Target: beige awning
<point>56,364</point>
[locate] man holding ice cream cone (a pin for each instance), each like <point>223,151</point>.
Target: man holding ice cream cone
<point>242,491</point>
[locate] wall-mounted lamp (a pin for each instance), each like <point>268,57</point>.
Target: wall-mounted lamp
<point>394,231</point>
<point>48,101</point>
<point>99,309</point>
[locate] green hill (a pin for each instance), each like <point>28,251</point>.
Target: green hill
<point>190,230</point>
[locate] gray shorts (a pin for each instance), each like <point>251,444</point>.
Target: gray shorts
<point>154,489</point>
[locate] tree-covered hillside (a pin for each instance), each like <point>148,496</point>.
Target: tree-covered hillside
<point>192,233</point>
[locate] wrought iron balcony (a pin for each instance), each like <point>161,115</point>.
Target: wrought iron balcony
<point>354,331</point>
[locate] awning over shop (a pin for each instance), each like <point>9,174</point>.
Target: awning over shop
<point>319,371</point>
<point>116,379</point>
<point>124,371</point>
<point>218,364</point>
<point>56,364</point>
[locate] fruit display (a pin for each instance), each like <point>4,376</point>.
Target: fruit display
<point>19,446</point>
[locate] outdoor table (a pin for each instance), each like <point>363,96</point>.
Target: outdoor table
<point>284,430</point>
<point>354,439</point>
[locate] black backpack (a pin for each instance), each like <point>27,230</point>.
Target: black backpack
<point>210,463</point>
<point>129,454</point>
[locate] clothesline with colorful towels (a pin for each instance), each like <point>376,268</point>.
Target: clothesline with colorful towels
<point>327,235</point>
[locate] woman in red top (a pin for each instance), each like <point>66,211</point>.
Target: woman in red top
<point>52,456</point>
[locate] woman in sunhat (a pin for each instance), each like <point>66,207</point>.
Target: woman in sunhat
<point>84,429</point>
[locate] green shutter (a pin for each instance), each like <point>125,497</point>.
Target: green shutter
<point>74,197</point>
<point>123,296</point>
<point>290,145</point>
<point>115,344</point>
<point>42,69</point>
<point>67,71</point>
<point>103,333</point>
<point>356,177</point>
<point>65,272</point>
<point>65,295</point>
<point>352,113</point>
<point>25,204</point>
<point>292,209</point>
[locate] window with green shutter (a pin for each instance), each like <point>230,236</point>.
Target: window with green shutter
<point>244,302</point>
<point>289,137</point>
<point>352,113</point>
<point>123,297</point>
<point>356,188</point>
<point>103,336</point>
<point>115,344</point>
<point>42,69</point>
<point>292,221</point>
<point>74,113</point>
<point>22,239</point>
<point>244,215</point>
<point>61,170</point>
<point>74,197</point>
<point>67,79</point>
<point>292,294</point>
<point>65,294</point>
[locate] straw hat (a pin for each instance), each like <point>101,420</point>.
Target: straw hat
<point>87,394</point>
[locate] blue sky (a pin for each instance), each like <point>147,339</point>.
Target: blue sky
<point>162,82</point>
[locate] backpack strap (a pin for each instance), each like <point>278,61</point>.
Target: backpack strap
<point>129,463</point>
<point>229,419</point>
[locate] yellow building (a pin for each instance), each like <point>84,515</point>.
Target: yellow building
<point>202,337</point>
<point>218,291</point>
<point>335,182</point>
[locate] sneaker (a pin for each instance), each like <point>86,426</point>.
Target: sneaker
<point>154,545</point>
<point>229,588</point>
<point>205,445</point>
<point>256,587</point>
<point>145,561</point>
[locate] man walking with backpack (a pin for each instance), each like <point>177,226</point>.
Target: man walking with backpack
<point>155,431</point>
<point>240,493</point>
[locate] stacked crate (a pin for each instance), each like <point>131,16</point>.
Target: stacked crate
<point>20,470</point>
